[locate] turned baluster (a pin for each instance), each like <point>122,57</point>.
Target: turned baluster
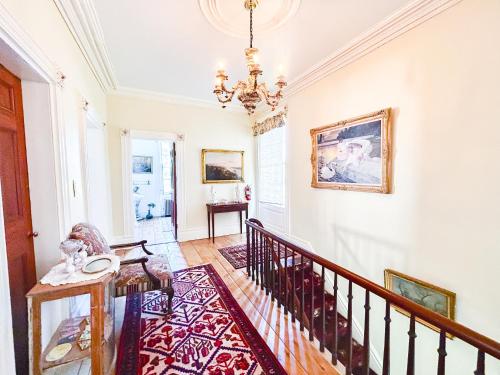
<point>386,367</point>
<point>334,321</point>
<point>302,292</point>
<point>286,302</point>
<point>248,250</point>
<point>273,275</point>
<point>323,315</point>
<point>292,292</point>
<point>311,321</point>
<point>253,254</point>
<point>480,368</point>
<point>366,337</point>
<point>442,352</point>
<point>348,367</point>
<point>410,368</point>
<point>266,266</point>
<point>279,276</point>
<point>261,261</point>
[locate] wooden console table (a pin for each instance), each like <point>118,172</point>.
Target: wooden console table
<point>214,208</point>
<point>102,343</point>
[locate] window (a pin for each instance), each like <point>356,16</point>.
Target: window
<point>271,169</point>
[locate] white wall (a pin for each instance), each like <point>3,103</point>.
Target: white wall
<point>43,30</point>
<point>46,29</point>
<point>202,128</point>
<point>440,224</point>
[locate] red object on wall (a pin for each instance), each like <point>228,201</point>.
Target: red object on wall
<point>248,193</point>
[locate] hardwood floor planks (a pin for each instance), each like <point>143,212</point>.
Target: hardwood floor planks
<point>295,352</point>
<point>291,347</point>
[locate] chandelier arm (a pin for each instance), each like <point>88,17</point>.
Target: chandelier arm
<point>271,99</point>
<point>223,99</point>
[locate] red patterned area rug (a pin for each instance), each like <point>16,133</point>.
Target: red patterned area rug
<point>237,255</point>
<point>208,333</point>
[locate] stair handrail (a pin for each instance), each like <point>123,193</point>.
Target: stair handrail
<point>481,342</point>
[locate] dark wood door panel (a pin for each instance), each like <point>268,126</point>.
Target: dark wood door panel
<point>17,211</point>
<point>9,170</point>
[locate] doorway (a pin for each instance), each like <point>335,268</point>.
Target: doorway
<point>154,202</point>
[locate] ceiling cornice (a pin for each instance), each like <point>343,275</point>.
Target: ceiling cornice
<point>83,22</point>
<point>395,25</point>
<point>174,99</point>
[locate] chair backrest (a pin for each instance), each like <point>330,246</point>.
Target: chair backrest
<point>91,237</point>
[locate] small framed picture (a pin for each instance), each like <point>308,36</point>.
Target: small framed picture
<point>142,164</point>
<point>222,166</point>
<point>434,298</point>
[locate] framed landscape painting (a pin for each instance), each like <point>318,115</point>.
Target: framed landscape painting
<point>434,298</point>
<point>353,154</point>
<point>222,166</point>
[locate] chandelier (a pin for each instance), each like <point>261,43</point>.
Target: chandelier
<point>250,92</point>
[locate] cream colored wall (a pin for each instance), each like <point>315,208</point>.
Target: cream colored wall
<point>202,128</point>
<point>43,23</point>
<point>46,30</point>
<point>440,224</point>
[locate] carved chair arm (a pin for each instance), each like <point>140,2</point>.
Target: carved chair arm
<point>143,260</point>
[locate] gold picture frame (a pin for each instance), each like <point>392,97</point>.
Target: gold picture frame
<point>434,294</point>
<point>224,166</point>
<point>342,173</point>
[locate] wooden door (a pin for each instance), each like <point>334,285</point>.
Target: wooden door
<point>174,186</point>
<point>16,210</point>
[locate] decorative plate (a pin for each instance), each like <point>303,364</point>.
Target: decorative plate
<point>58,352</point>
<point>97,265</point>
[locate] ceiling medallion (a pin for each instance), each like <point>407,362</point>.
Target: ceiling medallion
<point>226,15</point>
<point>250,92</point>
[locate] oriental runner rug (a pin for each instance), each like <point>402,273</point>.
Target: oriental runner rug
<point>237,255</point>
<point>208,333</point>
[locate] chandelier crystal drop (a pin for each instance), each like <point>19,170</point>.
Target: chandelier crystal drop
<point>249,92</point>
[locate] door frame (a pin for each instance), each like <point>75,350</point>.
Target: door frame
<point>23,57</point>
<point>91,119</point>
<point>127,181</point>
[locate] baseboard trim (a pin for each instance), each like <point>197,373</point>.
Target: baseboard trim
<point>190,234</point>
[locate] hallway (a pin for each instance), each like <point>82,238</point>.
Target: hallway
<point>156,231</point>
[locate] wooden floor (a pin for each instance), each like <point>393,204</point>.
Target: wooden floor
<point>292,347</point>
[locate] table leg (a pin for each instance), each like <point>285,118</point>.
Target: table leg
<point>241,222</point>
<point>208,220</point>
<point>246,213</point>
<point>213,228</point>
<point>96,328</point>
<point>35,335</point>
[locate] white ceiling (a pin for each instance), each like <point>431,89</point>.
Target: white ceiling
<point>172,47</point>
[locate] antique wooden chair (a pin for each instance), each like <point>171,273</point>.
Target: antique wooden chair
<point>137,274</point>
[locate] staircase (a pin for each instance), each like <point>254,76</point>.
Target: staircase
<point>295,278</point>
<point>290,275</point>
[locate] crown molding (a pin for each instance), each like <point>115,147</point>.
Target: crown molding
<point>82,20</point>
<point>173,99</point>
<point>395,25</point>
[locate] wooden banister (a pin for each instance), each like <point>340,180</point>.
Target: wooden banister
<point>485,345</point>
